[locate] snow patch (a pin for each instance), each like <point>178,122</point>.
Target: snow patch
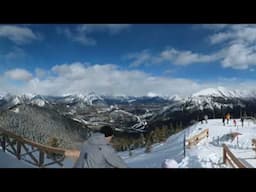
<point>170,163</point>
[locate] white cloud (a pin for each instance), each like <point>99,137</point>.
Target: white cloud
<point>215,27</point>
<point>239,56</point>
<point>238,50</point>
<point>6,87</point>
<point>40,73</point>
<point>239,33</point>
<point>105,79</point>
<point>110,28</point>
<point>186,57</point>
<point>78,37</point>
<point>108,79</point>
<point>15,53</point>
<point>238,42</point>
<point>141,58</point>
<point>18,74</point>
<point>82,33</point>
<point>17,34</point>
<point>75,71</point>
<point>220,37</point>
<point>177,57</point>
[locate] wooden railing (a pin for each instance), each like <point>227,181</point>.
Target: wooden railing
<point>250,117</point>
<point>196,138</point>
<point>34,153</point>
<point>254,144</point>
<point>229,157</point>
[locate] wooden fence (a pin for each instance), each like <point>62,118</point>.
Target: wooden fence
<point>229,158</point>
<point>254,144</point>
<point>34,153</point>
<point>196,138</point>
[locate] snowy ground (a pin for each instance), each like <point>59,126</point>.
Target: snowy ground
<point>206,154</point>
<point>9,161</point>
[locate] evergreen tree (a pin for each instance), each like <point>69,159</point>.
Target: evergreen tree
<point>148,148</point>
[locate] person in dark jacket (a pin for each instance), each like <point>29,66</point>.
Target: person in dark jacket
<point>97,152</point>
<point>223,120</point>
<point>242,121</point>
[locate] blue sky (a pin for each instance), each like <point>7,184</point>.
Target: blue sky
<point>126,59</point>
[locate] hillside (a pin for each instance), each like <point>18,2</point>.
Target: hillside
<point>43,124</point>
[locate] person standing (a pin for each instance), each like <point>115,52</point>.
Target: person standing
<point>98,153</point>
<point>206,118</point>
<point>228,117</point>
<point>223,120</point>
<point>242,121</point>
<point>234,121</point>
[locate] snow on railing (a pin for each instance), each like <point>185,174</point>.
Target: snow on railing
<point>229,157</point>
<point>198,137</point>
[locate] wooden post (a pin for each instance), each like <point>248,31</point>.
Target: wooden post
<point>3,143</point>
<point>18,149</point>
<point>224,155</point>
<point>184,145</point>
<point>41,158</point>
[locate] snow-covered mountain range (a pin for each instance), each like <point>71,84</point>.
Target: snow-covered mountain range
<point>126,114</point>
<point>224,92</point>
<point>138,113</point>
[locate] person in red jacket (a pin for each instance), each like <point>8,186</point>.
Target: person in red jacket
<point>234,121</point>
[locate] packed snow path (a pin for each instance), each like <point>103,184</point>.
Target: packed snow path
<point>9,161</point>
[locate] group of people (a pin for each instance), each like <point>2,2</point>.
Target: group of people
<point>227,118</point>
<point>204,119</point>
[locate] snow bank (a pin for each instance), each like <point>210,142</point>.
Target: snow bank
<point>169,163</point>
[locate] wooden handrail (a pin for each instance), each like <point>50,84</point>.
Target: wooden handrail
<point>38,145</point>
<point>196,138</point>
<point>229,156</point>
<point>254,142</point>
<point>48,149</point>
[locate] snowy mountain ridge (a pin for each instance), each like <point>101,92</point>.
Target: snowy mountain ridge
<point>91,97</point>
<point>224,92</point>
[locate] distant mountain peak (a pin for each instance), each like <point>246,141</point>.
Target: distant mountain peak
<point>218,92</point>
<point>151,94</point>
<point>175,98</point>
